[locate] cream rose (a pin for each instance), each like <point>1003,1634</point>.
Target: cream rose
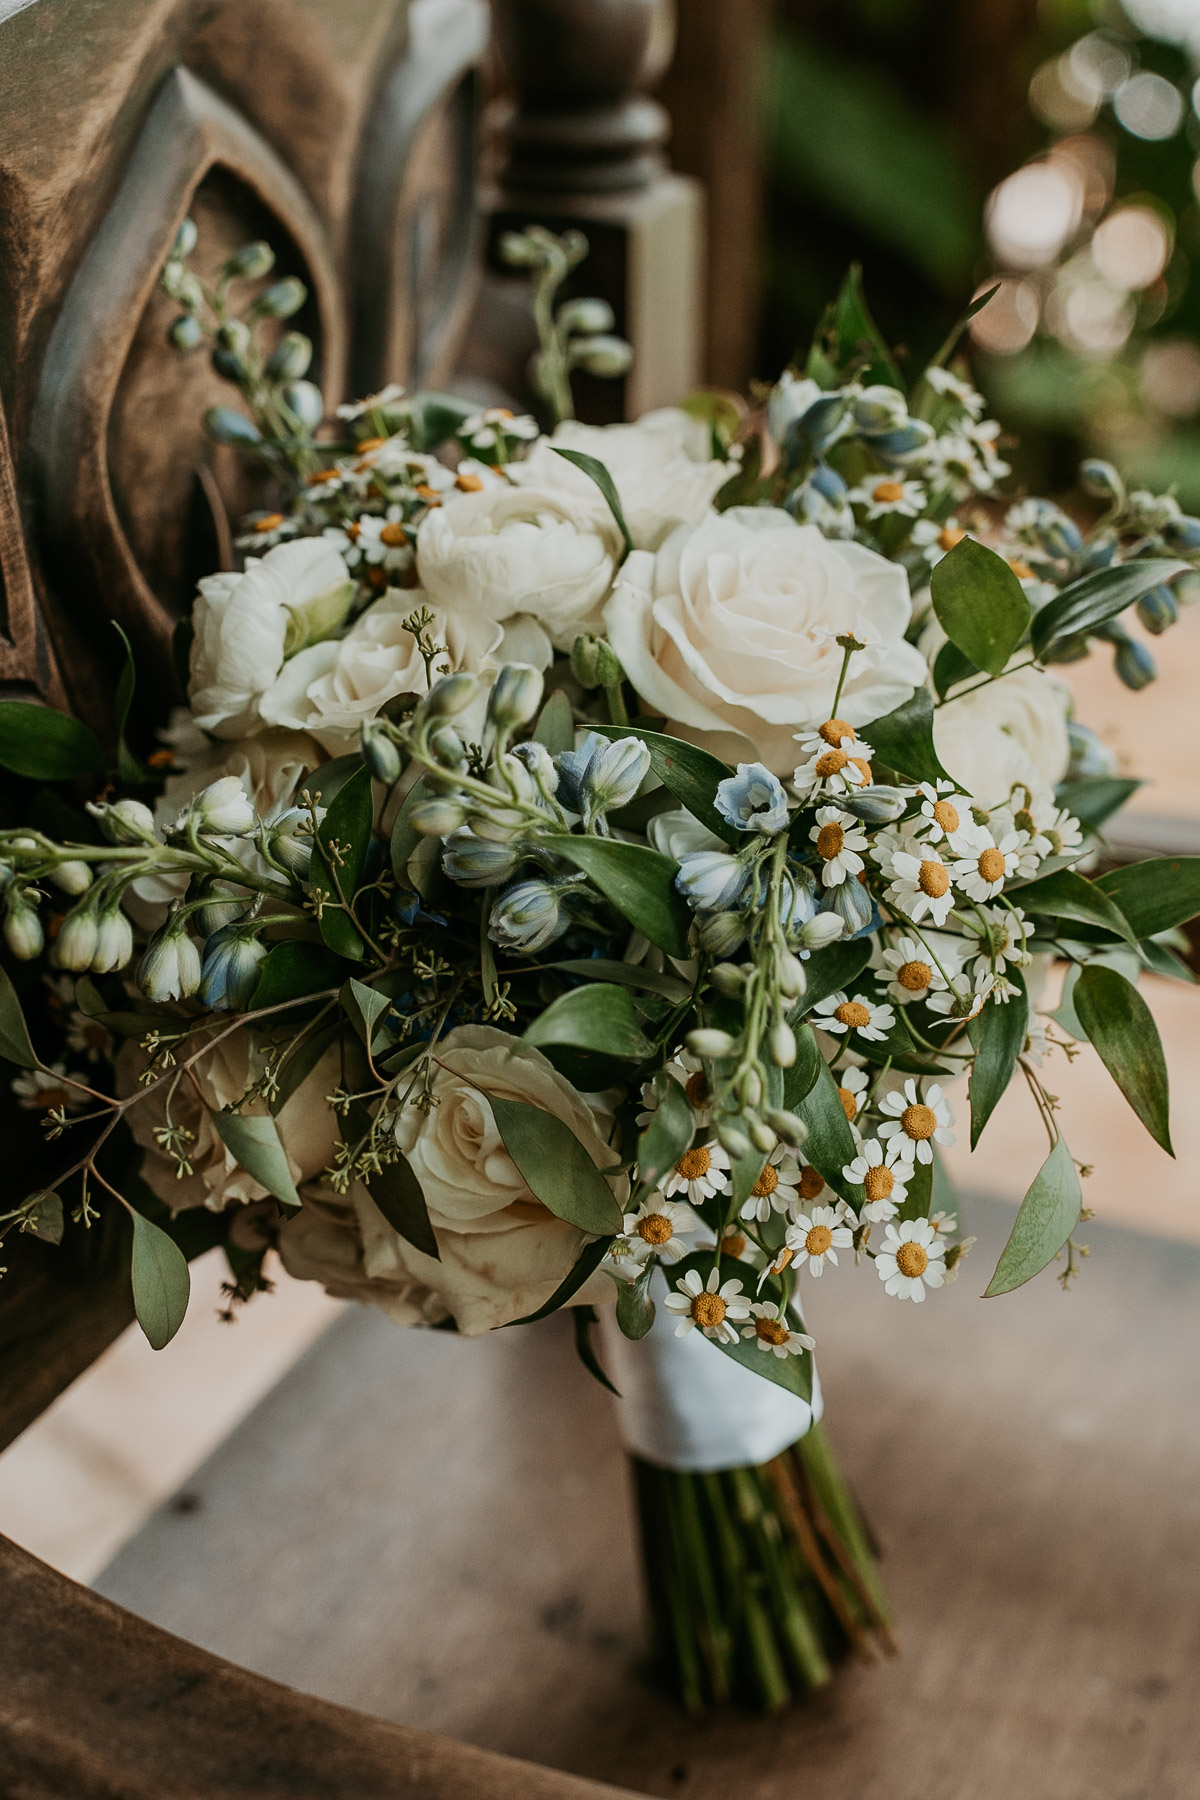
<point>1014,729</point>
<point>662,466</point>
<point>324,1242</point>
<point>730,631</point>
<point>502,1252</point>
<point>507,551</point>
<point>246,624</point>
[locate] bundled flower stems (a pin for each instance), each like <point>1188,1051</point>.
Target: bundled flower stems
<point>584,870</point>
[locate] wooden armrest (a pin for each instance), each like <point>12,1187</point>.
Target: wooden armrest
<point>96,1704</point>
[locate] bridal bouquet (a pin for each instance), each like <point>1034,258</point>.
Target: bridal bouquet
<point>585,870</point>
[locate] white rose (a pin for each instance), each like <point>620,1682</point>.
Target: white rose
<point>330,690</point>
<point>730,631</point>
<point>508,550</point>
<point>269,764</point>
<point>246,624</point>
<point>662,466</point>
<point>1014,729</point>
<point>323,1242</point>
<point>502,1252</point>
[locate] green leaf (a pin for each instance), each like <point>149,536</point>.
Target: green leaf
<point>1121,1026</point>
<point>635,1308</point>
<point>300,1062</point>
<point>45,745</point>
<point>129,769</point>
<point>594,468</point>
<point>405,838</point>
<point>364,1007</point>
<point>398,1195</point>
<point>1157,894</point>
<point>555,729</point>
<point>858,337</point>
<point>588,1261</point>
<point>1003,1029</point>
<point>798,1081</point>
<point>631,975</point>
<point>1095,600</point>
<point>950,667</point>
<point>1049,1214</point>
<point>830,1143</point>
<point>45,1217</point>
<point>980,603</point>
<point>903,740</point>
<point>599,1017</point>
<point>15,1045</point>
<point>831,969</point>
<point>791,1372</point>
<point>347,823</point>
<point>946,349</point>
<point>254,1140</point>
<point>669,1132</point>
<point>638,881</point>
<point>295,968</point>
<point>1067,895</point>
<point>691,774</point>
<point>582,1319</point>
<point>918,1201</point>
<point>434,417</point>
<point>162,1285</point>
<point>1095,798</point>
<point>556,1166</point>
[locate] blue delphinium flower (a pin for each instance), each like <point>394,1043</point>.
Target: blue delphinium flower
<point>528,916</point>
<point>712,880</point>
<point>753,800</point>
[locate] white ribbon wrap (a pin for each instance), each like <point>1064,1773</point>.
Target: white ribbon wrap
<point>686,1405</point>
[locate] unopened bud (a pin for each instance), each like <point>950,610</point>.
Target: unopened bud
<point>1100,480</point>
<point>721,933</point>
<point>788,1125</point>
<point>290,358</point>
<point>306,400</point>
<point>792,979</point>
<point>125,822</point>
<point>380,754</point>
<point>22,928</point>
<point>709,1043</point>
<point>515,697</point>
<point>282,299</point>
<point>762,1137</point>
<point>79,934</point>
<point>185,332</point>
<point>728,979</point>
<point>603,355</point>
<point>73,877</point>
<point>250,263</point>
<point>732,1138</point>
<point>825,929</point>
<point>114,942</point>
<point>449,695</point>
<point>170,965</point>
<point>783,1045</point>
<point>227,426</point>
<point>436,818</point>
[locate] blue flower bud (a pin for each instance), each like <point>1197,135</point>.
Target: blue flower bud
<point>816,429</point>
<point>1099,554</point>
<point>282,299</point>
<point>306,400</point>
<point>721,933</point>
<point>1182,533</point>
<point>290,359</point>
<point>601,775</point>
<point>1134,664</point>
<point>753,800</point>
<point>1090,755</point>
<point>380,753</point>
<point>185,332</point>
<point>537,760</point>
<point>185,239</point>
<point>712,880</point>
<point>250,262</point>
<point>227,426</point>
<point>874,805</point>
<point>1100,480</point>
<point>797,897</point>
<point>896,446</point>
<point>437,817</point>
<point>1157,610</point>
<point>528,916</point>
<point>851,903</point>
<point>233,959</point>
<point>880,408</point>
<point>515,697</point>
<point>474,862</point>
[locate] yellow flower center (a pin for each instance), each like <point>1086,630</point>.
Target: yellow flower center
<point>697,1090</point>
<point>1020,569</point>
<point>818,1240</point>
<point>849,1102</point>
<point>271,522</point>
<point>708,1309</point>
<point>833,731</point>
<point>933,879</point>
<point>853,1013</point>
<point>655,1228</point>
<point>693,1164</point>
<point>950,535</point>
<point>812,1182</point>
<point>911,1260</point>
<point>320,475</point>
<point>830,839</point>
<point>468,483</point>
<point>771,1331</point>
<point>863,767</point>
<point>375,443</point>
<point>888,491</point>
<point>991,864</point>
<point>393,536</point>
<point>919,1122</point>
<point>831,762</point>
<point>915,976</point>
<point>878,1183</point>
<point>766,1184</point>
<point>734,1244</point>
<point>946,815</point>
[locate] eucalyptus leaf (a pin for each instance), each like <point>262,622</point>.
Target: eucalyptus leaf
<point>1095,600</point>
<point>405,837</point>
<point>45,1217</point>
<point>1095,798</point>
<point>555,728</point>
<point>918,1201</point>
<point>44,745</point>
<point>669,1132</point>
<point>347,823</point>
<point>300,1062</point>
<point>903,740</point>
<point>980,604</point>
<point>15,1045</point>
<point>295,968</point>
<point>1122,1028</point>
<point>255,1141</point>
<point>1157,894</point>
<point>583,1318</point>
<point>638,881</point>
<point>1049,1214</point>
<point>600,1017</point>
<point>595,469</point>
<point>161,1283</point>
<point>798,1081</point>
<point>631,975</point>
<point>556,1166</point>
<point>1068,895</point>
<point>690,773</point>
<point>831,969</point>
<point>1002,1033</point>
<point>950,667</point>
<point>398,1194</point>
<point>364,1006</point>
<point>635,1308</point>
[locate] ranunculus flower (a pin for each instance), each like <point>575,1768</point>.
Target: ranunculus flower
<point>730,631</point>
<point>1010,730</point>
<point>246,624</point>
<point>502,1252</point>
<point>507,551</point>
<point>330,690</point>
<point>662,466</point>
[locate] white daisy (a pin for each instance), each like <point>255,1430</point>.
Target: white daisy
<point>853,1085</point>
<point>773,1332</point>
<point>345,540</point>
<point>735,1246</point>
<point>837,761</point>
<point>871,1019</point>
<point>658,1228</point>
<point>937,540</point>
<point>488,430</point>
<point>88,1037</point>
<point>943,1223</point>
<point>911,1259</point>
<point>967,998</point>
<point>387,396</point>
<point>883,494</point>
<point>883,1174</point>
<point>838,837</point>
<point>688,1072</point>
<point>386,542</point>
<point>777,1188</point>
<point>266,529</point>
<point>914,1120</point>
<point>472,476</point>
<point>717,1310</point>
<point>983,865</point>
<point>945,810</point>
<point>1002,933</point>
<point>815,1237</point>
<point>953,387</point>
<point>914,974</point>
<point>45,1090</point>
<point>920,883</point>
<point>1053,823</point>
<point>1032,847</point>
<point>700,1173</point>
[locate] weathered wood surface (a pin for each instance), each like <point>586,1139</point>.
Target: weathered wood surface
<point>438,1530</point>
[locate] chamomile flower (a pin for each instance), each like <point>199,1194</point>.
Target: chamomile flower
<point>815,1237</point>
<point>386,542</point>
<point>700,1173</point>
<point>911,1259</point>
<point>1059,829</point>
<point>1032,848</point>
<point>945,811</point>
<point>983,865</point>
<point>688,1072</point>
<point>943,1223</point>
<point>920,882</point>
<point>659,1228</point>
<point>46,1090</point>
<point>871,1019</point>
<point>914,974</point>
<point>735,1246</point>
<point>489,429</point>
<point>772,1332</point>
<point>837,761</point>
<point>716,1307</point>
<point>1002,933</point>
<point>883,1174</point>
<point>267,529</point>
<point>838,837</point>
<point>472,476</point>
<point>916,1122</point>
<point>937,540</point>
<point>884,494</point>
<point>810,1183</point>
<point>357,409</point>
<point>853,1086</point>
<point>966,999</point>
<point>346,540</point>
<point>777,1188</point>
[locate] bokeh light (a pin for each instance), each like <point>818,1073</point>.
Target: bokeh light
<point>1009,320</point>
<point>1034,212</point>
<point>1149,106</point>
<point>1131,246</point>
<point>1170,376</point>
